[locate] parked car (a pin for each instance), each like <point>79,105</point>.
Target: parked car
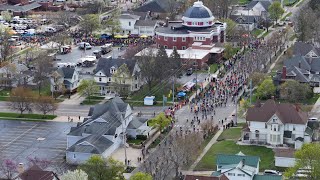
<point>313,119</point>
<point>85,45</point>
<point>189,71</point>
<point>271,172</point>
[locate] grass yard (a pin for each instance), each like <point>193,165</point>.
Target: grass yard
<point>257,32</point>
<point>213,68</point>
<point>12,116</point>
<point>290,2</point>
<point>158,90</point>
<point>208,162</point>
<point>93,100</point>
<point>135,141</point>
<point>243,2</point>
<point>230,134</point>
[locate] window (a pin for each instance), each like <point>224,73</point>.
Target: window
<point>100,79</point>
<point>200,23</point>
<point>74,156</point>
<point>136,77</point>
<point>241,175</point>
<point>231,174</point>
<point>136,86</point>
<point>174,47</point>
<point>183,47</point>
<point>174,38</point>
<point>184,39</point>
<point>158,45</point>
<point>165,38</point>
<point>294,128</point>
<point>257,134</point>
<point>129,23</point>
<point>109,79</point>
<point>265,125</point>
<point>166,47</point>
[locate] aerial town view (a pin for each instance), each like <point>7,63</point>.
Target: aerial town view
<point>159,89</point>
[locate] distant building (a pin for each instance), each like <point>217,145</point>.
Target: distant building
<point>36,173</point>
<point>66,79</point>
<point>197,26</point>
<point>138,126</point>
<point>132,24</point>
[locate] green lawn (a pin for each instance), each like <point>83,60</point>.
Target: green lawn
<point>257,32</point>
<point>31,116</point>
<point>158,90</point>
<point>93,100</point>
<point>290,2</point>
<point>213,68</point>
<point>243,2</point>
<point>284,18</point>
<point>230,134</point>
<point>208,162</point>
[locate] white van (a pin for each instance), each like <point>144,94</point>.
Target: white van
<point>84,45</point>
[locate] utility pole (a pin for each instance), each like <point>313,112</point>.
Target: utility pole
<point>124,138</point>
<point>173,90</point>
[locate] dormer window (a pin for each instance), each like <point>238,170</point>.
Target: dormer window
<point>112,70</point>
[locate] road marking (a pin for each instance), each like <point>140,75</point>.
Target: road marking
<point>18,137</point>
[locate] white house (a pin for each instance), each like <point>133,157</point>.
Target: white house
<point>137,25</point>
<point>101,134</point>
<point>277,124</point>
<point>68,77</point>
<point>240,167</point>
<point>138,126</point>
<point>106,68</point>
<point>284,157</point>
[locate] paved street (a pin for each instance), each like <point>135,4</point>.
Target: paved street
<point>44,140</point>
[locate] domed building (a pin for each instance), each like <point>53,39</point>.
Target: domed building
<point>197,26</point>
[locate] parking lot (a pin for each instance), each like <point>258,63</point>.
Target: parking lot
<point>43,140</point>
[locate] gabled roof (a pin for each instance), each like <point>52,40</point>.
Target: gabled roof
<point>267,177</point>
<point>286,112</point>
<point>94,144</point>
<point>136,122</point>
<point>105,65</point>
<point>66,72</point>
<point>24,8</point>
<point>233,159</point>
<point>104,120</point>
<point>295,61</point>
<point>265,4</point>
<point>159,6</point>
<point>36,173</point>
<point>281,152</point>
<point>150,23</point>
<point>302,48</point>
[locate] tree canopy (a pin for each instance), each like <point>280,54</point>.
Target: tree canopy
<point>77,174</point>
<point>294,91</point>
<point>98,168</point>
<point>308,157</point>
<point>275,10</point>
<point>266,89</point>
<point>160,121</point>
<point>88,88</point>
<point>90,23</point>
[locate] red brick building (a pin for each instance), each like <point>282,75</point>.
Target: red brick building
<point>197,25</point>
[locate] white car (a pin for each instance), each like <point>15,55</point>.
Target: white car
<point>85,45</point>
<point>272,172</point>
<point>313,119</point>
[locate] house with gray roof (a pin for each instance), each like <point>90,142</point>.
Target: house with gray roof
<point>66,78</point>
<point>101,134</point>
<point>138,126</point>
<point>107,68</point>
<point>277,124</point>
<point>250,15</point>
<point>137,23</point>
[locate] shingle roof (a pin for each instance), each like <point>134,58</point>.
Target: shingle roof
<point>129,16</point>
<point>25,8</point>
<point>302,48</point>
<point>105,119</point>
<point>159,6</point>
<point>66,72</point>
<point>287,113</point>
<point>230,159</point>
<point>267,177</point>
<point>136,122</point>
<point>252,4</point>
<point>105,64</point>
<point>36,173</point>
<point>94,144</point>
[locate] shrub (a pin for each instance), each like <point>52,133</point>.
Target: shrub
<point>142,137</point>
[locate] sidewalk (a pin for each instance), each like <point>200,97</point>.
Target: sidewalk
<point>75,99</point>
<point>65,119</point>
<point>206,149</point>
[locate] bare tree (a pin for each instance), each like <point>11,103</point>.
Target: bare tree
<point>43,69</point>
<point>45,104</point>
<point>8,168</point>
<point>5,44</point>
<point>21,99</point>
<point>147,64</point>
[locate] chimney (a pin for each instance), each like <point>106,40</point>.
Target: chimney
<point>284,72</point>
<point>167,22</point>
<point>20,168</point>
